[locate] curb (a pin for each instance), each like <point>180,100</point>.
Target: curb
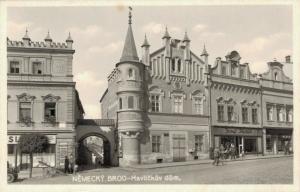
<point>209,162</point>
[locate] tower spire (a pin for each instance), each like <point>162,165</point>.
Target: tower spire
<point>204,52</point>
<point>166,35</point>
<point>26,37</point>
<point>129,51</point>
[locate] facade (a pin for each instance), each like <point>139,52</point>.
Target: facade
<point>172,105</point>
<point>41,99</point>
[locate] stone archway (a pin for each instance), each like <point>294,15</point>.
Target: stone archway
<point>105,131</point>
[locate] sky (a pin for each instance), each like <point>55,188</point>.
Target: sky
<point>258,33</point>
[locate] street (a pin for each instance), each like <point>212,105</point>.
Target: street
<point>260,171</point>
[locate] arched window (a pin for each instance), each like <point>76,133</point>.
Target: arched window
<point>130,102</point>
<point>179,65</point>
<point>130,73</point>
<point>173,65</point>
<point>275,76</point>
<point>120,103</point>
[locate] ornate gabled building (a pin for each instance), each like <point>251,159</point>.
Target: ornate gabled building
<point>41,99</point>
<point>159,102</point>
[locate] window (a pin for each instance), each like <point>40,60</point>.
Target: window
<point>130,102</point>
<point>244,114</point>
<point>50,148</point>
<point>289,115</point>
<point>220,112</point>
<point>37,68</point>
<point>155,100</point>
<point>173,65</point>
<point>156,143</point>
<point>275,76</point>
<point>178,104</point>
<point>25,111</point>
<point>198,143</point>
<point>198,105</point>
<point>224,70</point>
<point>280,114</point>
<point>230,113</point>
<point>50,112</point>
<point>179,66</point>
<point>120,103</point>
<point>233,69</point>
<point>269,113</point>
<point>130,73</point>
<point>254,115</point>
<point>242,73</point>
<point>14,67</point>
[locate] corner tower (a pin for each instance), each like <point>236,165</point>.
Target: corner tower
<point>130,93</point>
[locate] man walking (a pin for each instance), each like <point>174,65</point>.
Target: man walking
<point>222,154</point>
<point>216,156</point>
<point>66,164</point>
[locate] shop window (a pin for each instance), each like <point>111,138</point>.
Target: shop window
<point>220,112</point>
<point>50,112</point>
<point>269,142</point>
<point>198,104</point>
<point>50,148</point>
<point>269,113</point>
<point>199,143</point>
<point>244,114</point>
<point>178,104</point>
<point>130,102</point>
<point>230,113</point>
<point>156,142</point>
<point>25,111</point>
<point>155,103</point>
<point>10,149</point>
<point>14,67</point>
<point>37,68</point>
<point>254,115</point>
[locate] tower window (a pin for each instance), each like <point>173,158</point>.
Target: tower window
<point>120,103</point>
<point>179,65</point>
<point>131,73</point>
<point>173,65</point>
<point>130,102</point>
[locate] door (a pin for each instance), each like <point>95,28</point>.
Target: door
<point>179,147</point>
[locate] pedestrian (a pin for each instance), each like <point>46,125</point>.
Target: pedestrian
<point>232,151</point>
<point>243,154</point>
<point>216,156</point>
<point>222,154</point>
<point>66,164</point>
<point>71,164</point>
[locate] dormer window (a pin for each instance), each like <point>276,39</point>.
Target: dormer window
<point>14,67</point>
<point>37,68</point>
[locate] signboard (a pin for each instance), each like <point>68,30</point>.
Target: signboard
<point>237,131</point>
<point>14,139</point>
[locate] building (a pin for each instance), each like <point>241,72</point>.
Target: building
<point>41,98</point>
<point>172,105</point>
<point>159,102</point>
<point>277,109</point>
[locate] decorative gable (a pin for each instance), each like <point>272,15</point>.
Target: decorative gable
<point>50,98</point>
<point>24,97</point>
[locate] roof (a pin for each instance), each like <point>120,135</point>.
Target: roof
<point>186,38</point>
<point>99,122</point>
<point>104,95</point>
<point>79,104</point>
<point>145,44</point>
<point>166,35</point>
<point>129,51</point>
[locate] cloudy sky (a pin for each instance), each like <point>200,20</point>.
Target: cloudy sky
<point>258,33</point>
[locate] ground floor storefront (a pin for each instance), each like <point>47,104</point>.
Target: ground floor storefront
<point>278,141</point>
<point>60,145</point>
<point>248,140</point>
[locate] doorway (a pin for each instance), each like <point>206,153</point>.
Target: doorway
<point>179,147</point>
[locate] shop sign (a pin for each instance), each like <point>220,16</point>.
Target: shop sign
<point>237,131</point>
<point>14,139</point>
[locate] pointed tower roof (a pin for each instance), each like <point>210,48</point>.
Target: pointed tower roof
<point>69,39</point>
<point>186,38</point>
<point>129,51</point>
<point>26,37</point>
<point>48,38</point>
<point>166,35</point>
<point>204,52</point>
<point>145,44</point>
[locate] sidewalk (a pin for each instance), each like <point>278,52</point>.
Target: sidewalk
<point>205,161</point>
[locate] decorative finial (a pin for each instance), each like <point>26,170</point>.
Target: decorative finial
<point>26,37</point>
<point>129,16</point>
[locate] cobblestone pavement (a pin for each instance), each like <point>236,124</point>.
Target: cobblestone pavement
<point>261,171</point>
